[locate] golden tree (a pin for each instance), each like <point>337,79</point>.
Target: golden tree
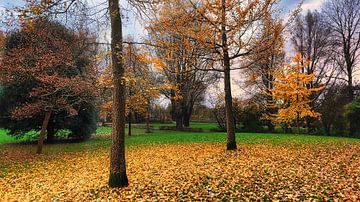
<point>291,95</point>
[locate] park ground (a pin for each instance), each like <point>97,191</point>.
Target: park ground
<point>170,165</point>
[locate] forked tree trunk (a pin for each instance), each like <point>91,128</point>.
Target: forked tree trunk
<point>118,177</point>
<point>43,131</point>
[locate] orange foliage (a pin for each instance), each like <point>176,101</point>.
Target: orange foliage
<point>290,93</point>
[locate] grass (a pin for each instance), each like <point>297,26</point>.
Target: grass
<point>139,138</point>
<point>204,126</point>
<point>5,138</point>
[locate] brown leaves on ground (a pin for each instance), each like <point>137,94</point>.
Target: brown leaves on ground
<point>188,172</point>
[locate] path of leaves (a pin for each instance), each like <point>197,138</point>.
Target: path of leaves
<point>187,172</point>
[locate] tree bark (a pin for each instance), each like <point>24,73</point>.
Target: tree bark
<point>118,177</point>
<point>43,131</point>
<point>230,123</point>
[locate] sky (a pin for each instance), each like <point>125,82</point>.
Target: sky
<point>133,27</point>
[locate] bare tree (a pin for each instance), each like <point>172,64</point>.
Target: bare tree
<point>310,38</point>
<point>343,18</point>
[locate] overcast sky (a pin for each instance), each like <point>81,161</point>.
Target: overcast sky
<point>135,29</point>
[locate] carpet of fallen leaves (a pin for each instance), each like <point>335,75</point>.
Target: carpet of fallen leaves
<point>182,172</point>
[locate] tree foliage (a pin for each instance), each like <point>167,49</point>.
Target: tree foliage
<point>291,95</point>
<point>48,69</point>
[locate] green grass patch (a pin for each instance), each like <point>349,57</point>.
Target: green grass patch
<point>5,138</point>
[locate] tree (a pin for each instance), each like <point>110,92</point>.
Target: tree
<point>118,177</point>
<point>39,9</point>
<point>291,95</point>
<point>46,73</point>
<point>176,59</point>
<point>227,29</point>
<point>332,109</point>
<point>352,112</point>
<point>343,18</point>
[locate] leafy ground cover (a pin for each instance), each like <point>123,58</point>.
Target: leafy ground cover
<point>167,165</point>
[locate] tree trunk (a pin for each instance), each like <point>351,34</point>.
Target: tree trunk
<point>118,177</point>
<point>230,123</point>
<point>179,122</point>
<point>148,130</point>
<point>50,136</point>
<point>129,121</point>
<point>186,120</point>
<point>43,131</point>
<point>352,127</point>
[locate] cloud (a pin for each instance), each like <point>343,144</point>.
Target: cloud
<point>312,5</point>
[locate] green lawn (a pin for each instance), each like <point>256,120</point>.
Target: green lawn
<point>204,126</point>
<point>139,138</point>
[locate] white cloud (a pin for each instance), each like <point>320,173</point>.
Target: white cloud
<point>312,5</point>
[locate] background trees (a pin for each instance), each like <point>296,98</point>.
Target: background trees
<point>343,19</point>
<point>177,61</point>
<point>48,70</point>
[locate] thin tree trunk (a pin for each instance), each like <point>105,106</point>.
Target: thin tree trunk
<point>230,123</point>
<point>129,121</point>
<point>118,177</point>
<point>148,119</point>
<point>352,127</point>
<point>43,131</point>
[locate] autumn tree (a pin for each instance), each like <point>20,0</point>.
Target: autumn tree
<point>49,75</point>
<point>176,59</point>
<point>227,30</point>
<point>291,96</point>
